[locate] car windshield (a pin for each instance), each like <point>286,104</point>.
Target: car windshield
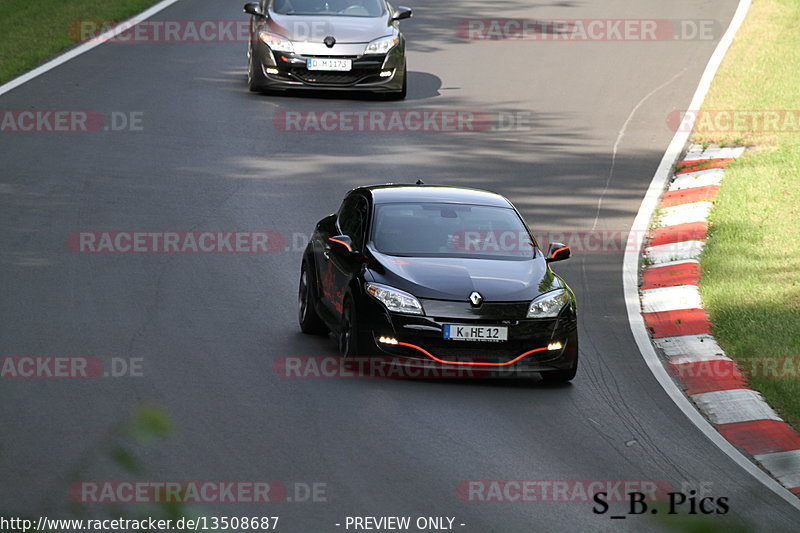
<point>349,8</point>
<point>450,230</point>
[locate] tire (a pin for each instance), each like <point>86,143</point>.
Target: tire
<point>559,376</point>
<point>404,90</point>
<point>348,331</point>
<point>401,95</point>
<point>353,341</point>
<point>256,81</point>
<point>310,322</point>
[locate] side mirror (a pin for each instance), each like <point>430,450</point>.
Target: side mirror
<point>402,13</point>
<point>557,252</point>
<point>253,9</point>
<point>341,244</point>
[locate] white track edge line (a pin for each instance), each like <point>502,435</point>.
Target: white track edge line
<point>630,272</point>
<point>85,47</point>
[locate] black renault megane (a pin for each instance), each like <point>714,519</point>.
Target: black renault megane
<point>355,45</point>
<point>438,275</point>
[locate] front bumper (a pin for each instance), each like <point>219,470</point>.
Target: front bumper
<point>421,342</point>
<point>283,70</point>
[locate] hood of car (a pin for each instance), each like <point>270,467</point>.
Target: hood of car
<point>315,28</point>
<point>448,278</point>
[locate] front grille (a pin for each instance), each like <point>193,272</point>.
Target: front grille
<point>459,351</point>
<point>467,352</point>
<point>365,69</point>
<point>326,78</point>
<point>328,57</point>
<point>489,312</point>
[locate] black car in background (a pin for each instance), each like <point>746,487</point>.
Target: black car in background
<point>353,45</point>
<point>437,275</point>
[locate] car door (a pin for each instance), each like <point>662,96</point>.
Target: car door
<point>340,266</point>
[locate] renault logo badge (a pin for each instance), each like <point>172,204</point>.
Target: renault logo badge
<point>329,41</point>
<point>475,298</point>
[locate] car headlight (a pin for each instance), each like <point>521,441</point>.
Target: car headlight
<point>276,42</point>
<point>382,45</point>
<point>395,299</point>
<point>548,305</point>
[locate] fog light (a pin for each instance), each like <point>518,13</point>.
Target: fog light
<point>272,70</point>
<point>387,340</point>
<point>554,346</point>
<point>386,73</point>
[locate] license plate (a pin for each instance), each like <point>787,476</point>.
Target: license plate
<point>459,332</point>
<point>314,63</point>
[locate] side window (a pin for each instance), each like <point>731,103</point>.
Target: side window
<point>352,216</point>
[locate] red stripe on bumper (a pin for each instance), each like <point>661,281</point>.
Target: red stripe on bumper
<point>465,363</point>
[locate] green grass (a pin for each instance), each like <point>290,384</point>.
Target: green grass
<point>751,264</point>
<point>34,30</point>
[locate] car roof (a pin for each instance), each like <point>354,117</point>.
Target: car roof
<point>392,193</point>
